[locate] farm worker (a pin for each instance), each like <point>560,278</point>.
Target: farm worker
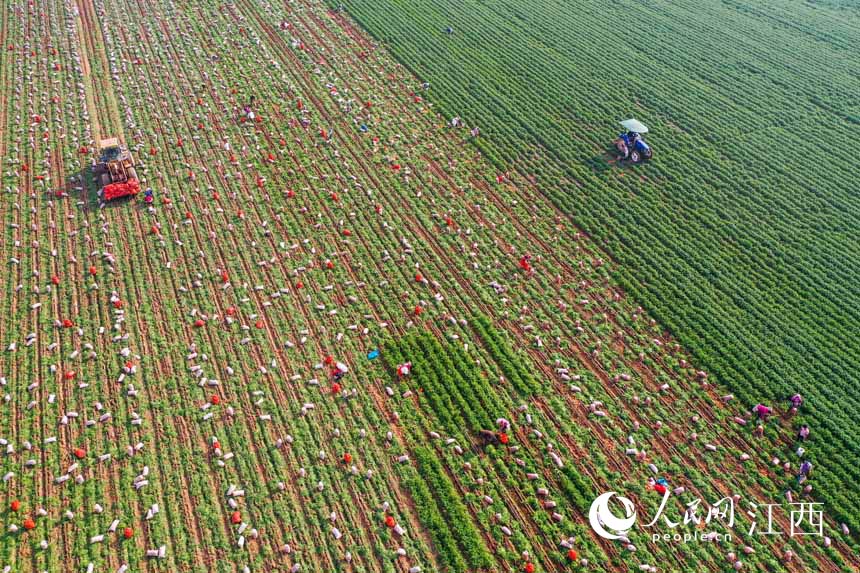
<point>339,370</point>
<point>476,131</point>
<point>804,432</point>
<point>403,370</point>
<point>796,401</point>
<point>503,424</point>
<point>248,109</point>
<point>425,85</point>
<point>805,470</point>
<point>456,121</point>
<point>762,411</point>
<point>525,264</point>
<point>147,196</point>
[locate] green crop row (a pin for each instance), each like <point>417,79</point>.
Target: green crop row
<point>734,237</point>
<point>455,513</point>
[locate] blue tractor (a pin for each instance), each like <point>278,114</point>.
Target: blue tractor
<point>630,144</point>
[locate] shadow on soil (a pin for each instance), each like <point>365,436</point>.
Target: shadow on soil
<point>608,160</point>
<point>601,163</point>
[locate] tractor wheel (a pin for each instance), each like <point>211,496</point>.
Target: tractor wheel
<point>648,153</point>
<point>132,174</point>
<point>104,180</point>
<point>635,156</point>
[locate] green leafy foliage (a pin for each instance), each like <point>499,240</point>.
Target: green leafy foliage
<point>737,236</point>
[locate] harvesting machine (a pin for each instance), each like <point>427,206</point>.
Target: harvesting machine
<point>115,170</point>
<point>630,144</point>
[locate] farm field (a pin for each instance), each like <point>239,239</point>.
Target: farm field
<point>165,369</point>
<point>740,239</point>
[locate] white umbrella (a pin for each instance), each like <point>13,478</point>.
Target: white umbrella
<point>342,367</point>
<point>634,125</point>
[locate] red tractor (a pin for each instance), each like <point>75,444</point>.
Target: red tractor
<point>115,171</point>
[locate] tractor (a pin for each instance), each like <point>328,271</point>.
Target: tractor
<point>115,170</point>
<point>630,144</point>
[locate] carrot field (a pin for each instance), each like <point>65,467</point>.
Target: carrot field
<point>167,370</point>
<point>741,240</point>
